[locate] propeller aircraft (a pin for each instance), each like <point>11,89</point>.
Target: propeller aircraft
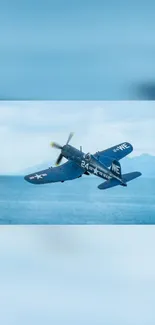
<point>104,164</point>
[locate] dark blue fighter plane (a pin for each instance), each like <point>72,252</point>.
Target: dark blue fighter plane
<point>104,164</point>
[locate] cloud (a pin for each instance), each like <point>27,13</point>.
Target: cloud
<point>27,128</point>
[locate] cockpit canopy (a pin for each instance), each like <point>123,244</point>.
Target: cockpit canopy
<point>88,156</point>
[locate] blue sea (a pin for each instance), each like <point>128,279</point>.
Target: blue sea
<point>76,202</point>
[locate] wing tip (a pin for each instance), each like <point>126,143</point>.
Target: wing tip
<point>31,179</point>
<point>130,145</point>
<point>139,174</point>
<point>27,178</point>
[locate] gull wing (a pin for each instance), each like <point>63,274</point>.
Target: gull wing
<point>114,153</point>
<point>65,172</point>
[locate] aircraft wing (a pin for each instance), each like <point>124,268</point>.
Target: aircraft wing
<point>65,172</point>
<point>117,152</point>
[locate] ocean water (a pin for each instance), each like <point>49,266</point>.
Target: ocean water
<point>76,202</point>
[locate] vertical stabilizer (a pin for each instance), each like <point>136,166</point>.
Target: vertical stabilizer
<point>116,168</point>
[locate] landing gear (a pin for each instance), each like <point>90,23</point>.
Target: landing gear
<point>124,184</point>
<point>86,173</point>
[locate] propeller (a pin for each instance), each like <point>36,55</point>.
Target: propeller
<point>70,137</point>
<point>58,161</point>
<point>58,146</point>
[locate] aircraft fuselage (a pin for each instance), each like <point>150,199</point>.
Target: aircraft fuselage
<point>88,162</point>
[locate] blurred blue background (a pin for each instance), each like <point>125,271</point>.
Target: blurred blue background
<point>77,49</point>
<point>77,275</point>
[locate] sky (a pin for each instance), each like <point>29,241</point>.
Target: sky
<point>27,128</point>
<point>77,50</point>
<point>77,275</point>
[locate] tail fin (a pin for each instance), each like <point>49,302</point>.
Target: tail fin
<point>116,168</point>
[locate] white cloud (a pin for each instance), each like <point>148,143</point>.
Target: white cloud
<point>27,128</point>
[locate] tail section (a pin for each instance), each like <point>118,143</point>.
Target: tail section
<point>114,182</point>
<point>116,168</point>
<point>130,176</point>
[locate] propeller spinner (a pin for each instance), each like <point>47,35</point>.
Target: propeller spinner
<point>58,146</point>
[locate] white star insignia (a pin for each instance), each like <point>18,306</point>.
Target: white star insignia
<point>95,171</point>
<point>37,176</point>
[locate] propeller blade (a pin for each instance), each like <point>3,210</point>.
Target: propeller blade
<point>58,161</point>
<point>80,148</point>
<point>70,137</point>
<point>55,145</point>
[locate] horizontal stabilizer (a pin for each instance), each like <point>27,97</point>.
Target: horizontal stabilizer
<point>114,182</point>
<point>130,176</point>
